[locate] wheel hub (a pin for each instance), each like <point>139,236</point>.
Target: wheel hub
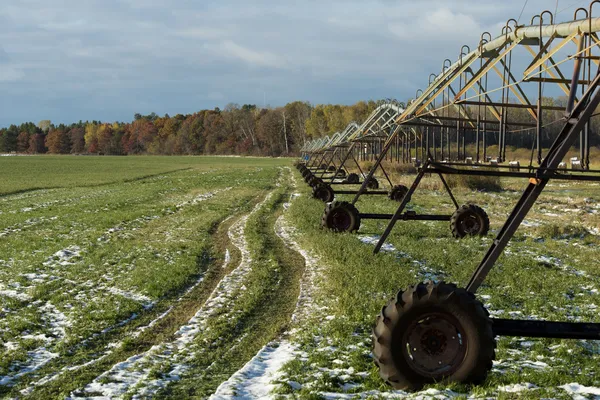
<point>470,224</point>
<point>341,220</point>
<point>435,345</point>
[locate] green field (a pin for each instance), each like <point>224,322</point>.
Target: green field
<point>179,277</point>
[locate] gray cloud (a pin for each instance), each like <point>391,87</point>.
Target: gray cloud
<point>94,59</point>
<point>3,56</point>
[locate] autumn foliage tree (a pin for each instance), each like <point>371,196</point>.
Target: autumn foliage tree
<point>58,142</point>
<point>236,129</point>
<point>36,144</point>
<point>77,136</point>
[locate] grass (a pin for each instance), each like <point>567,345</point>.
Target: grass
<point>106,268</point>
<point>29,173</point>
<point>475,182</point>
<point>547,273</point>
<point>140,243</point>
<point>261,312</point>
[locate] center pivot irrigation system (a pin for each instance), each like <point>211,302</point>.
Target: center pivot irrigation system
<point>378,139</point>
<point>434,332</point>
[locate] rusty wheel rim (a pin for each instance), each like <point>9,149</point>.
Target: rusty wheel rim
<point>470,224</point>
<point>323,194</point>
<point>398,194</point>
<point>341,220</point>
<point>435,345</point>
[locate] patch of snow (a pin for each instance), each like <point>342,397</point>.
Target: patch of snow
<point>576,390</point>
<point>63,257</point>
<point>140,298</point>
<point>201,197</point>
<point>10,346</point>
<point>227,259</point>
<point>517,387</point>
<point>152,323</point>
<point>532,224</point>
<point>539,365</point>
<point>36,359</point>
<point>14,294</point>
<point>55,322</point>
<point>134,372</point>
<point>253,381</point>
<point>374,239</point>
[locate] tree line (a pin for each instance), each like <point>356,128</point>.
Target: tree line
<point>243,130</point>
<point>239,130</point>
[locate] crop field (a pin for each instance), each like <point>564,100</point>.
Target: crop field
<point>197,277</point>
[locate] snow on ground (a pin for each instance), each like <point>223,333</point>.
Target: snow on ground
<point>517,387</point>
<point>201,197</point>
<point>118,229</point>
<point>134,373</point>
<point>255,379</point>
<point>31,222</point>
<point>55,322</point>
<point>121,230</point>
<point>36,359</point>
<point>374,239</point>
<point>140,298</point>
<point>110,347</point>
<point>578,391</point>
<point>65,258</point>
<point>313,267</point>
<point>14,294</point>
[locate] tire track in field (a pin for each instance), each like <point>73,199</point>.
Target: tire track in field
<point>254,379</point>
<point>44,354</point>
<point>160,323</point>
<point>241,325</point>
<point>134,373</point>
<point>172,317</point>
<point>73,254</point>
<point>255,318</point>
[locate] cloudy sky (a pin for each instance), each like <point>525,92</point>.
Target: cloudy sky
<point>67,60</point>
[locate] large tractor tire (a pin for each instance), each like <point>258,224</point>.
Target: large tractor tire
<point>324,166</point>
<point>352,178</point>
<point>433,332</point>
<point>397,193</point>
<point>373,184</point>
<point>331,168</point>
<point>323,192</point>
<point>469,220</point>
<point>341,216</point>
<point>306,173</point>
